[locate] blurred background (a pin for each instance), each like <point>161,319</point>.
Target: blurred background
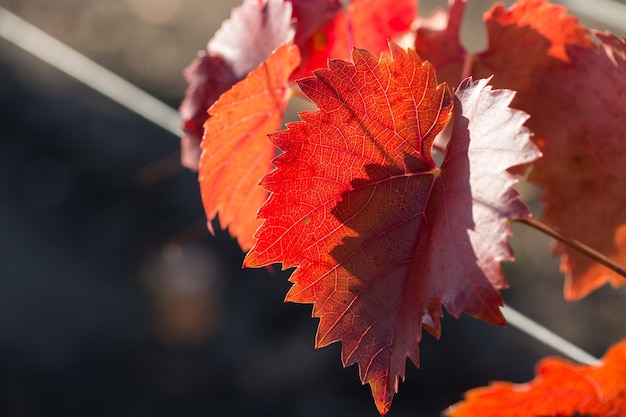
<point>114,299</point>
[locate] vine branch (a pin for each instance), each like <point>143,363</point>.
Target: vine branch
<point>575,244</point>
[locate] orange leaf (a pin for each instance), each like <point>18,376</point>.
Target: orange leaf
<point>382,237</point>
<point>560,389</point>
<point>574,93</point>
<point>236,153</point>
<point>241,44</point>
<point>531,36</point>
<point>583,169</point>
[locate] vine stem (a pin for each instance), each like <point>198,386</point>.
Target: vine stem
<point>62,57</point>
<point>575,244</point>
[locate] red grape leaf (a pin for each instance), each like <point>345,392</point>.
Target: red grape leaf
<point>236,153</point>
<point>208,77</point>
<point>311,15</point>
<point>529,38</point>
<point>375,22</point>
<point>559,389</point>
<point>366,24</point>
<point>253,31</point>
<point>316,49</point>
<point>575,96</point>
<point>574,93</point>
<point>583,172</point>
<point>243,42</point>
<point>438,40</point>
<point>381,236</point>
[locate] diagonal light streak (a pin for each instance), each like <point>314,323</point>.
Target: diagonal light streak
<point>547,337</point>
<point>62,57</point>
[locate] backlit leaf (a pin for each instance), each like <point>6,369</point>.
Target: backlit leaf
<point>530,37</point>
<point>236,152</point>
<point>438,40</point>
<point>365,24</point>
<point>574,93</point>
<point>311,15</point>
<point>243,42</point>
<point>253,31</point>
<point>381,236</point>
<point>584,169</point>
<point>208,77</point>
<point>559,389</point>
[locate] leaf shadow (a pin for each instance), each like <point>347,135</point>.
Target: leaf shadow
<point>406,251</point>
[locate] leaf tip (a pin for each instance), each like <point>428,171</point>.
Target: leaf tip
<point>383,401</point>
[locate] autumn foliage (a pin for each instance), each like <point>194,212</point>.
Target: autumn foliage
<point>380,235</point>
<point>573,91</point>
<point>560,389</point>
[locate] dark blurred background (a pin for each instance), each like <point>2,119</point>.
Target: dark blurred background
<point>115,301</point>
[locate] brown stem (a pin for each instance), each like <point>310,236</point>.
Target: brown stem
<point>574,244</point>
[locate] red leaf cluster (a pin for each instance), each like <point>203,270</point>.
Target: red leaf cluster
<point>382,237</point>
<point>359,206</point>
<point>323,30</point>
